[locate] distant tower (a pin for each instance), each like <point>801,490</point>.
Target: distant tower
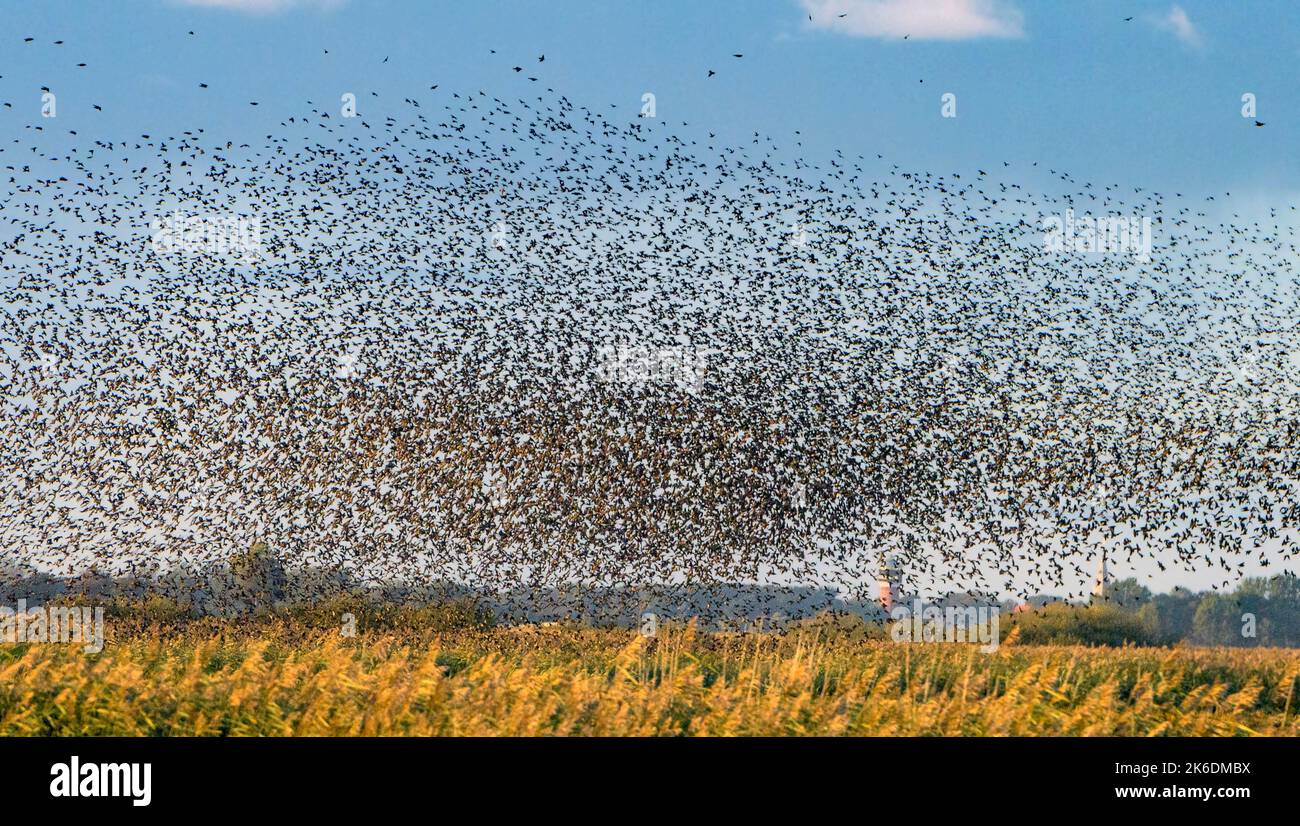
<point>887,579</point>
<point>1103,577</point>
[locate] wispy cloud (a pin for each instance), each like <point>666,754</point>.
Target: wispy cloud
<point>261,6</point>
<point>1176,22</point>
<point>917,19</point>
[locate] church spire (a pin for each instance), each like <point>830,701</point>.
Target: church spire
<point>887,580</point>
<point>1103,577</point>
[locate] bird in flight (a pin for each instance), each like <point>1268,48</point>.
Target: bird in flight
<point>367,470</point>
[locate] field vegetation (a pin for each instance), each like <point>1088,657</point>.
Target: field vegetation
<point>450,672</point>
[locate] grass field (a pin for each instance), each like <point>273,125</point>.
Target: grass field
<point>286,677</point>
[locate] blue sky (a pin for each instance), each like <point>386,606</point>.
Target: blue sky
<point>1153,102</point>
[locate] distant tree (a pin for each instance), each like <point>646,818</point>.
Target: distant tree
<point>1175,611</point>
<point>259,576</point>
<point>1217,621</point>
<point>1286,587</point>
<point>1128,593</point>
<point>1039,600</point>
<point>1149,616</point>
<point>1254,586</point>
<point>1067,624</point>
<point>1275,603</point>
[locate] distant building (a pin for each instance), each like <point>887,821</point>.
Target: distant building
<point>1102,579</point>
<point>889,580</point>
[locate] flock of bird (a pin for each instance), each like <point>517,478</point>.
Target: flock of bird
<point>512,341</point>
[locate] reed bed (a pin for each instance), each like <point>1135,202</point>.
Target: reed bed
<point>281,678</point>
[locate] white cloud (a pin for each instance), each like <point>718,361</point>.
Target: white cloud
<point>1176,22</point>
<point>917,19</point>
<point>262,6</point>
